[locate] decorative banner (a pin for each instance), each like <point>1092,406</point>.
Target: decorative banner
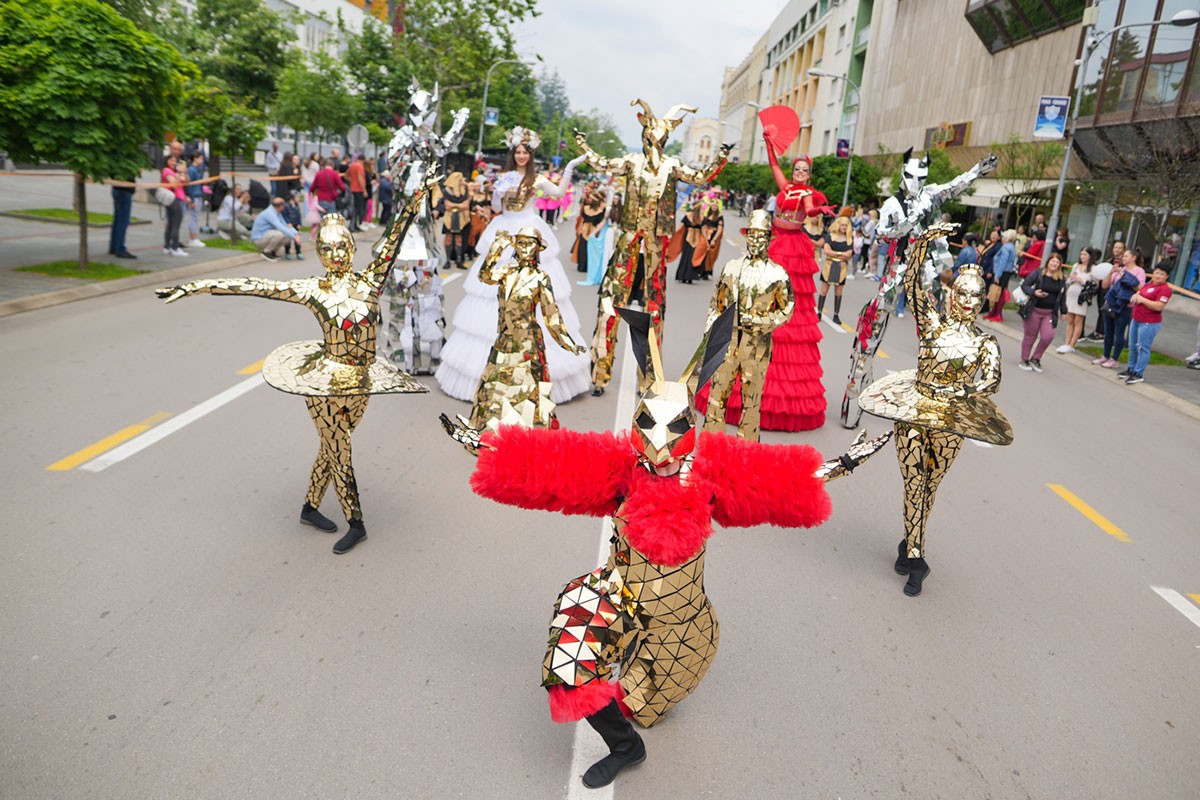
<point>843,148</point>
<point>1051,117</point>
<point>948,134</point>
<point>491,116</point>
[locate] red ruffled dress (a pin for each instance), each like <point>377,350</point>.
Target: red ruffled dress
<point>793,395</point>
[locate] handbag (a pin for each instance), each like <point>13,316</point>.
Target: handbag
<point>1019,297</point>
<point>1088,293</point>
<point>1027,303</point>
<point>164,196</point>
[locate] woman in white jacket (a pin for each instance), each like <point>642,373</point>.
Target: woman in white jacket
<point>475,319</point>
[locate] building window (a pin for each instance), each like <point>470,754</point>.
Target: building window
<point>841,38</point>
<point>1000,24</point>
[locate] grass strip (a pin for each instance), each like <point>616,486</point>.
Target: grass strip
<point>95,271</point>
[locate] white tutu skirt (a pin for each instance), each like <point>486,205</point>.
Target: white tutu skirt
<point>466,351</point>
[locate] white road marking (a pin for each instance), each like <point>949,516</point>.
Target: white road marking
<point>1181,605</point>
<point>160,432</point>
<point>588,747</point>
<point>980,444</point>
<point>451,278</point>
<point>829,321</point>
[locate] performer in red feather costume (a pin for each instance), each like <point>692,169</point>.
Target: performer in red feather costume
<point>644,615</point>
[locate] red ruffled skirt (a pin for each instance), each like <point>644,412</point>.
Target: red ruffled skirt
<point>793,395</point>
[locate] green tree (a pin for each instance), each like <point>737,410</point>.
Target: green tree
<point>82,85</point>
<point>242,42</point>
<point>212,113</point>
<point>829,177</point>
<point>379,70</point>
<point>316,97</point>
<point>552,94</point>
<point>1023,165</point>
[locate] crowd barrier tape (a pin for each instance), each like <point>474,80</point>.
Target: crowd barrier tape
<point>228,177</point>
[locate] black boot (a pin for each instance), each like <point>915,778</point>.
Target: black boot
<point>902,557</point>
<point>353,536</point>
<point>918,571</point>
<point>310,516</point>
<point>625,746</point>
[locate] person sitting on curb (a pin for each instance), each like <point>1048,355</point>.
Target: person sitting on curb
<point>271,231</point>
<point>235,206</point>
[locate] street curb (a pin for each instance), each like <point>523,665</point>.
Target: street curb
<point>1185,407</point>
<point>162,277</point>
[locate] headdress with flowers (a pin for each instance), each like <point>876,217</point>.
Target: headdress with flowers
<point>518,135</point>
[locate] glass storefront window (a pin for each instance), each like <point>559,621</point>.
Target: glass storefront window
<point>1006,23</point>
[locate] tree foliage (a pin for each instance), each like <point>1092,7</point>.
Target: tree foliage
<point>379,70</point>
<point>829,177</point>
<point>81,85</point>
<point>1023,165</point>
<point>242,42</point>
<point>212,113</point>
<point>315,97</point>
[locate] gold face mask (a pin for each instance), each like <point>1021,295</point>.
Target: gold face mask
<point>335,245</point>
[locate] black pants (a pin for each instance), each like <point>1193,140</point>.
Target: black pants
<point>360,210</point>
<point>174,214</point>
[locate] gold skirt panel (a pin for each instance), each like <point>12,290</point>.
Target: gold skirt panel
<point>895,397</point>
<point>303,368</point>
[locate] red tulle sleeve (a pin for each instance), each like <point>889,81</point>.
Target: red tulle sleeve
<point>553,470</point>
<point>757,483</point>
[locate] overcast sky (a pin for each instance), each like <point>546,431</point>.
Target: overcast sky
<point>610,52</point>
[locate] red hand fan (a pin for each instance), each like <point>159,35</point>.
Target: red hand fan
<point>781,126</point>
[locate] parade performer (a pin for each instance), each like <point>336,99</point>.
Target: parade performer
<point>762,294</point>
<point>337,375</point>
<point>593,208</point>
<point>689,245</point>
<point>646,225</point>
<point>645,614</point>
<point>515,387</point>
<point>793,397</point>
<point>913,208</point>
<point>838,247</point>
<point>941,402</point>
<point>455,209</point>
<point>414,146</point>
<point>466,351</point>
<point>714,230</point>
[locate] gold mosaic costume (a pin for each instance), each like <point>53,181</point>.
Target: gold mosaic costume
<point>647,222</point>
<point>943,401</point>
<point>338,374</point>
<point>515,387</point>
<point>761,292</point>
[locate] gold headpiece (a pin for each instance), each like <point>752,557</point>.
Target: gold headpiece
<point>760,220</point>
<point>518,135</point>
<point>660,127</point>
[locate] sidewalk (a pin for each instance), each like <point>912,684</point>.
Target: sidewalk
<point>27,242</point>
<point>1177,387</point>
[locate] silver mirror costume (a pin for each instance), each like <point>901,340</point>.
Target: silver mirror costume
<point>913,208</point>
<point>944,400</point>
<point>338,374</point>
<point>638,634</point>
<point>414,292</point>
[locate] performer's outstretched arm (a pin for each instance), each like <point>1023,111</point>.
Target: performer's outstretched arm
<point>553,470</point>
<point>946,191</point>
<point>554,321</point>
<point>287,291</point>
<point>780,180</point>
<point>376,274</point>
<point>703,177</point>
<point>551,189</point>
<point>611,166</point>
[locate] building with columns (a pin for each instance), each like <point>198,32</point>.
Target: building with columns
<point>701,140</point>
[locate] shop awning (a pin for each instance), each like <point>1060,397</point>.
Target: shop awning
<point>990,192</point>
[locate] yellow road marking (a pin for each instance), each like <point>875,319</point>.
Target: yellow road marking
<point>253,368</point>
<point>1195,597</point>
<point>107,443</point>
<point>1095,516</point>
<point>879,353</point>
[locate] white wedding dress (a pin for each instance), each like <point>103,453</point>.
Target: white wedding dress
<point>466,351</point>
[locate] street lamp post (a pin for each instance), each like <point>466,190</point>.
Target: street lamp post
<point>487,84</point>
<point>820,73</point>
<point>1182,19</point>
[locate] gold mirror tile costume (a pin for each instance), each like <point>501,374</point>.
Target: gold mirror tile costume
<point>944,400</point>
<point>338,374</point>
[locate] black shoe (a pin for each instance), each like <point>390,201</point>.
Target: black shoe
<point>597,391</point>
<point>902,557</point>
<point>310,516</point>
<point>626,748</point>
<point>918,571</point>
<point>1123,373</point>
<point>837,320</point>
<point>125,254</point>
<point>464,266</point>
<point>353,536</point>
<point>1134,378</point>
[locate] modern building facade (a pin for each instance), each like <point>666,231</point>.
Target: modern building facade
<point>739,101</point>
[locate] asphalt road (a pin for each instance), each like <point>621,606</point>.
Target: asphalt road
<point>171,631</point>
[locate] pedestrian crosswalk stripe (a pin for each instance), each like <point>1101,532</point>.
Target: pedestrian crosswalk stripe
<point>1179,604</point>
<point>1092,514</point>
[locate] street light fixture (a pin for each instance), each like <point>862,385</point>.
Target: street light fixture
<point>816,72</point>
<point>487,84</point>
<point>1182,19</point>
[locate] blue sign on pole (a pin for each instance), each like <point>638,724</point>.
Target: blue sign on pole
<point>1051,117</point>
<point>491,116</point>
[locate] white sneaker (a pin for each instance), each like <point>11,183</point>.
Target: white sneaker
<point>179,251</point>
<point>1066,348</point>
<point>1194,358</point>
<point>850,276</point>
<point>168,251</point>
<point>900,314</point>
<point>196,243</point>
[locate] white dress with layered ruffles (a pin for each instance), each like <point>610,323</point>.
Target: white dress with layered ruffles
<point>466,351</point>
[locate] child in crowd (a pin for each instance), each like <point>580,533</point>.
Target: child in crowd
<point>294,215</point>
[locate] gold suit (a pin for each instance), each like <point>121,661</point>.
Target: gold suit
<point>761,292</point>
<point>338,374</point>
<point>946,398</point>
<point>515,387</point>
<point>647,223</point>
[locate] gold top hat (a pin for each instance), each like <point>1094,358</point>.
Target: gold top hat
<point>760,220</point>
